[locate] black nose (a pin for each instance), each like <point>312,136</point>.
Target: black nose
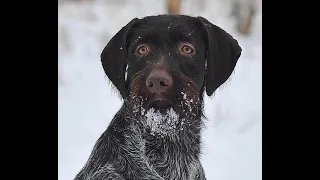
<point>158,81</point>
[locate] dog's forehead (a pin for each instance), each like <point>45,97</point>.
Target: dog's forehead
<point>164,25</point>
<point>170,21</point>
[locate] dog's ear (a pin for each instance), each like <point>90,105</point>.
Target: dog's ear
<point>223,52</point>
<point>114,55</point>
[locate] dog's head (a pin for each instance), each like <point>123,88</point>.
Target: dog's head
<point>164,63</point>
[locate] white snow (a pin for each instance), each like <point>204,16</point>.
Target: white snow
<point>232,139</point>
<point>187,101</point>
<point>160,123</point>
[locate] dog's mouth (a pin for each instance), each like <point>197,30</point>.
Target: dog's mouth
<point>158,102</point>
<point>177,107</point>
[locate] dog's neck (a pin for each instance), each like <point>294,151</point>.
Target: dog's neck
<point>172,154</point>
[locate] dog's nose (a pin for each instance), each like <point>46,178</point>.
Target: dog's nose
<point>158,81</point>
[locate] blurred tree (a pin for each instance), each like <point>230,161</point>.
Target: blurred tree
<point>244,11</point>
<point>173,6</point>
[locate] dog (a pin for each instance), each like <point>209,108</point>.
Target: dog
<point>161,65</point>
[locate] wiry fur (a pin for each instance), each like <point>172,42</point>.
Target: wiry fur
<point>136,155</point>
<point>134,147</point>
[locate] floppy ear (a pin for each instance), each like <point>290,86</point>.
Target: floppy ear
<point>113,58</point>
<point>223,52</point>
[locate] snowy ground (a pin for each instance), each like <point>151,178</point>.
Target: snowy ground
<point>233,137</point>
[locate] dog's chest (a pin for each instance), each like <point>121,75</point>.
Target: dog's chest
<point>171,162</point>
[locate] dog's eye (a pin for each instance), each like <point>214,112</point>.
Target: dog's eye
<point>142,49</point>
<point>187,49</point>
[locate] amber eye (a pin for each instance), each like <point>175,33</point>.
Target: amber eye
<point>142,50</point>
<point>187,49</point>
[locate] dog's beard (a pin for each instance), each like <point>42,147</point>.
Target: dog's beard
<point>178,109</point>
<point>161,122</point>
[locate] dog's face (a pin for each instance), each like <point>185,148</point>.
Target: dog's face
<point>166,65</point>
<point>162,64</point>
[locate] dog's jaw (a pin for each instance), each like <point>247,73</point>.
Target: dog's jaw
<point>168,121</point>
<point>159,123</point>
